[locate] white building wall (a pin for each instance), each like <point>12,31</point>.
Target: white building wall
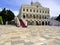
<point>34,9</point>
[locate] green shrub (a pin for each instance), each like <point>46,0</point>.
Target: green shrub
<point>0,19</point>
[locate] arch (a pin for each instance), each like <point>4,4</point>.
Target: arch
<point>32,22</point>
<point>42,22</point>
<point>27,16</point>
<point>36,23</point>
<point>39,22</point>
<point>23,16</point>
<point>48,22</point>
<point>45,22</point>
<point>45,17</point>
<point>28,22</point>
<point>30,15</point>
<point>37,16</point>
<point>33,16</point>
<point>42,16</point>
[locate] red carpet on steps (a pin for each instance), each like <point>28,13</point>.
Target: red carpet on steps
<point>22,23</point>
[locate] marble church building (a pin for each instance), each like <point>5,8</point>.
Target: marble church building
<point>34,14</point>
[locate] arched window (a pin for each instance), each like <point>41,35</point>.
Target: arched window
<point>23,15</point>
<point>45,17</point>
<point>43,11</point>
<point>48,12</point>
<point>37,16</point>
<point>42,16</point>
<point>33,10</point>
<point>23,9</point>
<point>30,15</point>
<point>40,11</point>
<point>37,11</point>
<point>33,16</point>
<point>27,10</point>
<point>27,16</point>
<point>30,10</point>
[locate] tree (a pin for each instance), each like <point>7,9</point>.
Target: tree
<point>58,18</point>
<point>7,15</point>
<point>2,13</point>
<point>10,15</point>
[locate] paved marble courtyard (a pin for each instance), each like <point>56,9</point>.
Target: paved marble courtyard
<point>32,35</point>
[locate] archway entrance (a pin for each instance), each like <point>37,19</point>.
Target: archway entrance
<point>42,22</point>
<point>46,23</point>
<point>37,23</point>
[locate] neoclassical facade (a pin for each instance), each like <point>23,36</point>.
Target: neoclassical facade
<point>34,14</point>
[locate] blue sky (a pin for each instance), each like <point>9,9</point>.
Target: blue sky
<point>15,5</point>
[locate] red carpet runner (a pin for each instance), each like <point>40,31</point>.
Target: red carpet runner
<point>22,23</point>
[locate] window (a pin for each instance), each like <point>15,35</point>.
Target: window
<point>43,11</point>
<point>37,16</point>
<point>42,22</point>
<point>40,11</point>
<point>34,16</point>
<point>40,17</point>
<point>37,10</point>
<point>37,6</point>
<point>30,10</point>
<point>27,15</point>
<point>33,10</point>
<point>23,9</point>
<point>48,12</point>
<point>30,16</point>
<point>23,15</point>
<point>45,17</point>
<point>27,10</point>
<point>48,22</point>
